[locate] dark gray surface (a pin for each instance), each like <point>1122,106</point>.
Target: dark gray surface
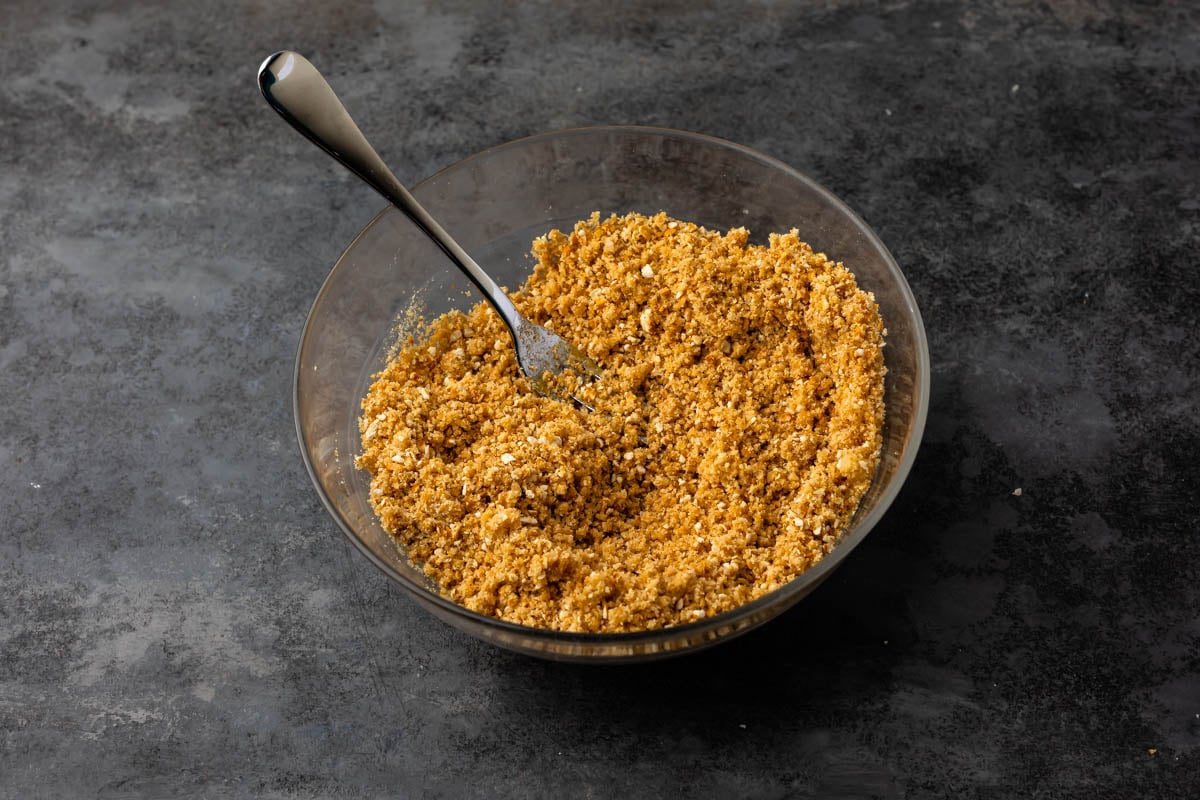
<point>179,617</point>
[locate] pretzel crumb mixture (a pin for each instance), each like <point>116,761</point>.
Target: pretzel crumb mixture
<point>737,426</point>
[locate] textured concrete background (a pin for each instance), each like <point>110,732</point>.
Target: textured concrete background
<point>180,617</point>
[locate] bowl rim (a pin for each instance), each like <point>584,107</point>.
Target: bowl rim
<point>812,576</point>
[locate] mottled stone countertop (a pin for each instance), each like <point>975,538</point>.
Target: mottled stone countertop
<point>179,616</point>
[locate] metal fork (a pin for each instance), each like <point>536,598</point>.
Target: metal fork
<point>301,95</point>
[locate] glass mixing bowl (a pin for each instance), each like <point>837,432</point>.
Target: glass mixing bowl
<point>495,203</point>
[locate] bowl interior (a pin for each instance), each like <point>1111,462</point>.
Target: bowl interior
<point>495,204</point>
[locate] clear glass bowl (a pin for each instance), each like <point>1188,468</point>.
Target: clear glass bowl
<point>495,203</point>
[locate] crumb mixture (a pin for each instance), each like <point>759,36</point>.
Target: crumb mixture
<point>737,426</point>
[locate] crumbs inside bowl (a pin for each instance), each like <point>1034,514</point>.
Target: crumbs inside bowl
<point>737,427</point>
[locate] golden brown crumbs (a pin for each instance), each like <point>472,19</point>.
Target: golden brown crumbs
<point>738,424</point>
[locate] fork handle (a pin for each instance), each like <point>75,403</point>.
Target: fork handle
<point>302,96</point>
